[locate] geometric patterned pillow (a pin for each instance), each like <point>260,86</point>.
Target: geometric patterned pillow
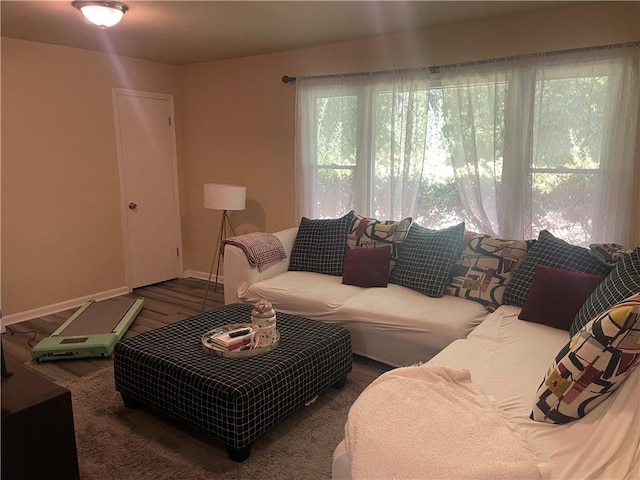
<point>485,269</point>
<point>550,252</point>
<point>589,368</point>
<point>366,232</point>
<point>426,258</point>
<point>320,245</point>
<point>609,253</point>
<point>623,281</point>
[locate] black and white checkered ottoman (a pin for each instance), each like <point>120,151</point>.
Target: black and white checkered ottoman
<point>234,400</point>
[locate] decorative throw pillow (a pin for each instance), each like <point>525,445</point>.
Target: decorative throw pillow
<point>371,233</point>
<point>609,253</point>
<point>367,267</point>
<point>591,366</point>
<point>623,281</point>
<point>320,245</point>
<point>550,252</point>
<point>485,268</point>
<point>426,258</point>
<point>556,295</point>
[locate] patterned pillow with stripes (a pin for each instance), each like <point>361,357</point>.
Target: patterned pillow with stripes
<point>366,232</point>
<point>485,268</point>
<point>591,366</point>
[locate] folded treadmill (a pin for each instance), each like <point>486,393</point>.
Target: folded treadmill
<point>92,331</point>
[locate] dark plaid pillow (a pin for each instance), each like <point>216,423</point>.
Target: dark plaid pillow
<point>621,283</point>
<point>426,258</point>
<point>320,245</point>
<point>550,252</point>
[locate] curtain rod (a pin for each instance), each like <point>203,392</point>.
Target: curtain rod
<point>434,69</point>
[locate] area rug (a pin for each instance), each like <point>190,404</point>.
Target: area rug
<point>115,442</point>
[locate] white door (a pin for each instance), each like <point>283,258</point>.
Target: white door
<point>148,176</point>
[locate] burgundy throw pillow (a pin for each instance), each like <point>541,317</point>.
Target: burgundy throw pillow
<point>367,267</point>
<point>557,295</point>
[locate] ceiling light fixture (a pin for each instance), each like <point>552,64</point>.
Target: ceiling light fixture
<point>103,14</point>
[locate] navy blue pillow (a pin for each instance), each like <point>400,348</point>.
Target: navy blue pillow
<point>426,258</point>
<point>621,283</point>
<point>320,245</point>
<point>553,252</point>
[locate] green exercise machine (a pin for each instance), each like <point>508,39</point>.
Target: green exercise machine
<point>92,331</point>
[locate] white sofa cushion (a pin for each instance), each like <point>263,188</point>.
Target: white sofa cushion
<point>506,357</point>
<point>445,428</point>
<point>400,326</point>
<point>306,294</point>
<point>394,325</point>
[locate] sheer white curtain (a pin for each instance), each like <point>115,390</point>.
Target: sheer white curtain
<point>361,143</point>
<point>616,217</point>
<point>475,112</point>
<point>328,141</point>
<point>546,141</point>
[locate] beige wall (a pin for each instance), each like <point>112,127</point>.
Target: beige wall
<point>61,233</point>
<point>61,230</point>
<point>239,117</point>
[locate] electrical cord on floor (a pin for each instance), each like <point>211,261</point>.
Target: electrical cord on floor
<point>29,341</point>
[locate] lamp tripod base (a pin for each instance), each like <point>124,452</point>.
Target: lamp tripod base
<point>218,253</point>
<point>5,372</point>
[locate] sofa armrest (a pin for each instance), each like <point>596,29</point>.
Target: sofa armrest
<point>239,275</point>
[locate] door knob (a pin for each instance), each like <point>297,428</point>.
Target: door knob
<point>132,205</point>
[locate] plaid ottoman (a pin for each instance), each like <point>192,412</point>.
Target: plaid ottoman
<point>234,400</point>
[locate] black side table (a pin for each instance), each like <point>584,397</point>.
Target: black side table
<point>38,436</point>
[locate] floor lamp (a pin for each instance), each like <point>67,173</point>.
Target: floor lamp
<point>222,197</point>
<point>5,372</point>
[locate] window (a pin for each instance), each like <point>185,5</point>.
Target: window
<point>376,147</point>
<point>510,147</point>
<point>335,145</point>
<point>568,129</point>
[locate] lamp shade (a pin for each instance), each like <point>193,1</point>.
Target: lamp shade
<point>218,196</point>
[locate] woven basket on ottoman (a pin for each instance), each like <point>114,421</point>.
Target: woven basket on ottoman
<point>234,400</point>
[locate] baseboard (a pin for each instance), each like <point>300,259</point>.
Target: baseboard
<point>202,275</point>
<point>59,307</point>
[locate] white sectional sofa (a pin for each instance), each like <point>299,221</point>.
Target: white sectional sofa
<point>394,325</point>
<point>507,359</point>
<point>567,387</point>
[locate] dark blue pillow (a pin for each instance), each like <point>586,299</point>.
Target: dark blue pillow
<point>426,258</point>
<point>320,245</point>
<point>621,283</point>
<point>553,252</point>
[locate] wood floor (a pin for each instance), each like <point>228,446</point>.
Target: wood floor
<point>164,303</point>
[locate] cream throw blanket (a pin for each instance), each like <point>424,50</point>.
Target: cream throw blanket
<point>431,422</point>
